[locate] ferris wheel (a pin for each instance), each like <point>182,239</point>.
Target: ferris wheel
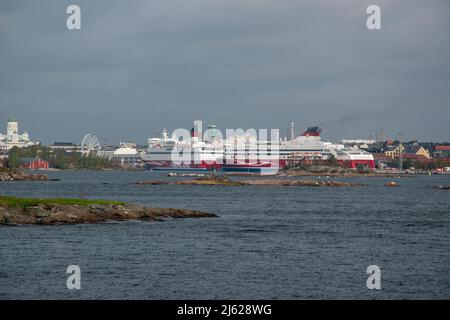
<point>90,143</point>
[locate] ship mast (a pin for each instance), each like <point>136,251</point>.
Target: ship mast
<point>292,130</point>
<point>400,158</point>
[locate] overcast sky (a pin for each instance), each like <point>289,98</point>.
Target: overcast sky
<point>137,66</point>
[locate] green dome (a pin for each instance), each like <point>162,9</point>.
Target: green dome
<point>12,119</point>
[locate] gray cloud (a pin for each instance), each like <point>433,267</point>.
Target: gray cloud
<point>137,66</point>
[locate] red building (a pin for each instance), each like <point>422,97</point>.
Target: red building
<point>442,152</point>
<point>34,163</point>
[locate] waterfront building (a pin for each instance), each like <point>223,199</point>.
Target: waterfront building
<point>106,152</point>
<point>416,150</point>
<point>13,138</point>
<point>65,146</point>
<point>442,152</point>
<point>394,151</point>
<point>126,155</point>
<point>381,160</point>
<point>415,158</point>
<point>377,147</point>
<point>410,150</point>
<point>34,163</point>
<point>357,142</point>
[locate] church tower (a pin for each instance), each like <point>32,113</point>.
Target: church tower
<point>12,130</point>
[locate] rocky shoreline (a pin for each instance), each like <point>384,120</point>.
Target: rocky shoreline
<point>341,173</point>
<point>13,175</point>
<point>54,213</point>
<point>300,183</point>
<point>220,180</point>
<point>224,180</point>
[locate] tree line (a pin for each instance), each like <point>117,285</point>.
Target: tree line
<point>59,159</point>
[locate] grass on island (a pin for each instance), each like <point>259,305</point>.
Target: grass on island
<point>6,201</point>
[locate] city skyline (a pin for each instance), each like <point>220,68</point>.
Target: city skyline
<point>375,135</point>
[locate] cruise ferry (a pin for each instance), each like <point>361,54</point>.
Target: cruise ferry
<point>199,155</point>
<point>261,155</point>
<point>247,153</point>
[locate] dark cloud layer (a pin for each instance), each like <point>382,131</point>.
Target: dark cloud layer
<point>137,66</point>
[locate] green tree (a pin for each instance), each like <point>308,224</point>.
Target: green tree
<point>14,158</point>
<point>332,161</point>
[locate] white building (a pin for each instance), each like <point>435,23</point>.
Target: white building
<point>65,146</point>
<point>12,138</point>
<point>126,154</point>
<point>360,143</point>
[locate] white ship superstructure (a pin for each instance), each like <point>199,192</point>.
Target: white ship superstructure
<point>247,153</point>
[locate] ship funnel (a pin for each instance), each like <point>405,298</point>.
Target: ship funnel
<point>312,132</point>
<point>197,130</point>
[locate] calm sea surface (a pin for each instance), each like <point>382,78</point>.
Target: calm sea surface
<point>268,243</point>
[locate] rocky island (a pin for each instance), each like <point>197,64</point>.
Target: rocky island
<point>16,175</point>
<point>221,180</point>
<point>442,187</point>
<point>18,211</point>
<point>323,171</point>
